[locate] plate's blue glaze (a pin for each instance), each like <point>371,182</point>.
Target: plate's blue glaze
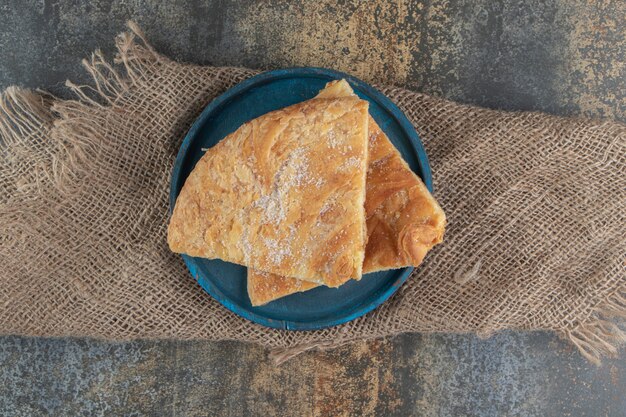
<point>226,282</point>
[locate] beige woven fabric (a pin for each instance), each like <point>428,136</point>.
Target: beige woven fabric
<point>536,207</point>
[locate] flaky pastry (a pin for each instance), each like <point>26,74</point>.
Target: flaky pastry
<point>284,194</point>
<point>403,219</point>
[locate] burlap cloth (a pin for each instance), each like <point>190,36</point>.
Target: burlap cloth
<point>536,207</point>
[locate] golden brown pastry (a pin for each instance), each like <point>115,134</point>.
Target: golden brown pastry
<point>264,287</point>
<point>403,219</point>
<point>284,193</point>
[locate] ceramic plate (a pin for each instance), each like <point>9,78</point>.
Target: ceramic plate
<point>226,282</point>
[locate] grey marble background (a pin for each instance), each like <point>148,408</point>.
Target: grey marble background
<point>562,57</point>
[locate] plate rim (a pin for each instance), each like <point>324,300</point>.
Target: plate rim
<point>234,91</point>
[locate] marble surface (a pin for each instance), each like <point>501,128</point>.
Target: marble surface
<point>562,57</point>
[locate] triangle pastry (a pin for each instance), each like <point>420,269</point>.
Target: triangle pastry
<point>403,219</point>
<point>284,194</point>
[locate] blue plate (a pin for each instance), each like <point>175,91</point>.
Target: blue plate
<point>226,282</point>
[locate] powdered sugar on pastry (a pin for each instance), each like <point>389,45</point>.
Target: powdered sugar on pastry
<point>255,197</point>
